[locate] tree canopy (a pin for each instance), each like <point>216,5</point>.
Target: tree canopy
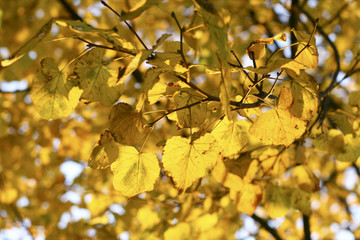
<point>166,119</point>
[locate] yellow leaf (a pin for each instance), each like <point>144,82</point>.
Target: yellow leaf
<point>99,204</point>
<point>225,177</point>
<point>138,9</point>
<point>272,161</point>
<point>147,217</point>
<point>105,152</point>
<point>103,220</point>
<point>354,98</point>
<point>276,200</point>
<point>231,136</point>
<point>134,172</point>
<point>304,91</point>
<point>193,116</point>
<point>285,98</point>
<point>127,125</point>
<point>134,64</point>
<point>52,94</point>
<point>247,199</point>
<point>162,89</point>
<point>351,151</point>
<point>205,222</point>
<point>39,37</point>
<point>181,231</point>
<point>309,56</point>
<point>305,179</point>
<point>99,83</point>
<point>278,127</point>
<point>186,161</point>
<point>257,48</point>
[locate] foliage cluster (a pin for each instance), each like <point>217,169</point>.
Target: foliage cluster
<point>183,128</point>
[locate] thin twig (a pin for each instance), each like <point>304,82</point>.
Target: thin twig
<point>181,40</point>
<point>129,26</point>
<point>70,10</point>
<point>266,226</point>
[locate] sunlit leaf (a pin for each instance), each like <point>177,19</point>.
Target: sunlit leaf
<point>134,172</point>
<point>99,83</point>
<point>306,54</point>
<point>138,9</point>
<point>301,200</point>
<point>162,89</point>
<point>186,161</point>
<point>305,178</point>
<point>257,48</point>
<point>147,217</point>
<point>52,94</point>
<point>278,127</point>
<point>126,125</point>
<point>232,136</point>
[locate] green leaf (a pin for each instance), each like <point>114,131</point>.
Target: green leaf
<point>189,116</point>
<point>52,94</point>
<point>105,152</point>
<point>231,136</point>
<point>134,172</point>
<point>99,83</point>
<point>186,161</point>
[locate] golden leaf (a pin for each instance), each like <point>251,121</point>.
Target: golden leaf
<point>186,161</point>
<point>134,172</point>
<point>278,127</point>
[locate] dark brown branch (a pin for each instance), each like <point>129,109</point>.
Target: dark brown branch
<point>181,40</point>
<point>306,224</point>
<point>70,10</point>
<point>266,226</point>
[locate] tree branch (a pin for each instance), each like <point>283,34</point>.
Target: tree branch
<point>265,225</point>
<point>70,10</point>
<point>306,223</point>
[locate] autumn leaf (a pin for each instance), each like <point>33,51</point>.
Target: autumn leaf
<point>278,127</point>
<point>186,161</point>
<point>162,89</point>
<point>257,48</point>
<point>134,172</point>
<point>276,200</point>
<point>304,90</point>
<point>39,37</point>
<point>138,9</point>
<point>105,152</point>
<point>248,198</point>
<point>193,116</point>
<point>99,83</point>
<point>306,54</point>
<point>126,125</point>
<point>232,136</point>
<point>53,95</point>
